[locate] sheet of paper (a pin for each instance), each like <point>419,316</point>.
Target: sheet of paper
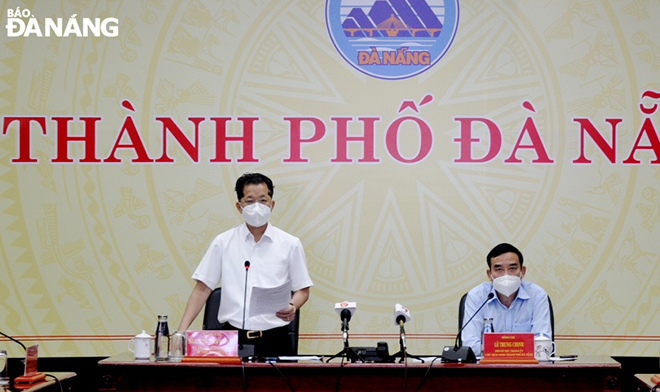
<point>300,358</point>
<point>270,300</point>
<point>562,359</point>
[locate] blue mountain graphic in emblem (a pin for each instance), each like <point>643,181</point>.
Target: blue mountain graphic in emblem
<point>393,18</point>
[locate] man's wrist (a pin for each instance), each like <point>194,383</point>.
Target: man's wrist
<point>294,306</point>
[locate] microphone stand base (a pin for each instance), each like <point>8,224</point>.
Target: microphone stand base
<point>246,351</point>
<point>401,355</point>
<point>343,353</point>
<point>463,354</point>
<point>353,354</point>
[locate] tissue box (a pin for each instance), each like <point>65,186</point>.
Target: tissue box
<point>211,343</point>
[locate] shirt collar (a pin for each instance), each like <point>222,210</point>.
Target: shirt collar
<point>245,232</point>
<point>522,293</point>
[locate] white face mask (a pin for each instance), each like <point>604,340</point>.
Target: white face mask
<point>507,284</point>
<point>256,214</point>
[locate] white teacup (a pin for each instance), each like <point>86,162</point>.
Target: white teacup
<point>142,346</point>
<point>544,348</point>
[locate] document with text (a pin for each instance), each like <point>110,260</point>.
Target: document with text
<point>269,300</point>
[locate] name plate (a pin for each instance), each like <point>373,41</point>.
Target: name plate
<point>211,343</point>
<point>515,347</point>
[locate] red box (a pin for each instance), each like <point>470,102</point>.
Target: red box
<point>211,343</point>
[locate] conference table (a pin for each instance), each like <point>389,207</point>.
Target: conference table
<point>589,373</point>
<point>644,383</point>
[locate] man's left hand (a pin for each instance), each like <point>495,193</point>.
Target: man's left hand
<point>288,313</point>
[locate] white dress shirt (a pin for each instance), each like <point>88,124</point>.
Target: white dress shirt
<point>276,258</point>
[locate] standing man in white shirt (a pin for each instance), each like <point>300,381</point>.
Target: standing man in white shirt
<point>274,257</point>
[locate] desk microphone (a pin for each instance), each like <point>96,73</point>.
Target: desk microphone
<point>14,340</point>
<point>245,350</point>
<point>463,353</point>
<point>247,268</point>
<point>345,310</point>
<point>401,316</point>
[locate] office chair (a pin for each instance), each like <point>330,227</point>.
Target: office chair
<point>461,314</point>
<point>211,322</point>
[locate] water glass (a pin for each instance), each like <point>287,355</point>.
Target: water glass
<point>4,375</point>
<point>177,346</point>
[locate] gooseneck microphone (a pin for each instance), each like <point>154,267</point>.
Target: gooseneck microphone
<point>490,296</point>
<point>247,268</point>
<point>245,351</point>
<point>463,353</point>
<point>13,340</point>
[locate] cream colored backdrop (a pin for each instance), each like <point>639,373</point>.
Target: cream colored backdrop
<point>91,253</point>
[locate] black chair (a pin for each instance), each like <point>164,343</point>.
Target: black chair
<point>211,319</point>
<point>461,314</point>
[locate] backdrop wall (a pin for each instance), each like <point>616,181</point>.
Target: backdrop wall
<point>99,237</point>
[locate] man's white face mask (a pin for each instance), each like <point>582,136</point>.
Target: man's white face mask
<point>507,284</point>
<point>256,214</point>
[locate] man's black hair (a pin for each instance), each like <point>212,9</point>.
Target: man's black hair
<point>501,249</point>
<point>253,179</point>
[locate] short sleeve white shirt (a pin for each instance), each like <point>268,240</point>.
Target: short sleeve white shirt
<point>276,258</point>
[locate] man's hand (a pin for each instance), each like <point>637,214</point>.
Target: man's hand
<point>288,313</point>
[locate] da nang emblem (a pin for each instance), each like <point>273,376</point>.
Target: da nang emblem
<point>392,39</point>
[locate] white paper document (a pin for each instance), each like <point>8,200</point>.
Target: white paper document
<point>270,300</point>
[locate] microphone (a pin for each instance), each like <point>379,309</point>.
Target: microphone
<point>247,268</point>
<point>13,340</point>
<point>31,375</point>
<point>463,353</point>
<point>345,311</point>
<point>245,350</point>
<point>401,316</point>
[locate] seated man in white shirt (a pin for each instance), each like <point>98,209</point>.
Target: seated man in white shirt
<point>517,306</point>
<point>274,256</point>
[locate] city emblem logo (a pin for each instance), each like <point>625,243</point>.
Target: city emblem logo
<point>392,39</point>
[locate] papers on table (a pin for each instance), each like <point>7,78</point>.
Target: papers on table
<point>568,358</point>
<point>301,358</point>
<point>269,300</point>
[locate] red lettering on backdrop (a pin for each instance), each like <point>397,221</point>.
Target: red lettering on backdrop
<point>24,135</point>
<point>88,139</point>
<point>247,140</point>
<point>536,145</point>
<point>130,138</point>
<point>191,148</point>
<point>425,139</point>
<point>135,144</point>
<point>296,140</point>
<point>367,140</point>
<point>535,138</point>
<point>466,139</point>
<point>586,127</point>
<point>649,130</point>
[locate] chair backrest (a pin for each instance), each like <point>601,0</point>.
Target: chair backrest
<point>211,322</point>
<point>552,318</point>
<point>461,314</point>
<point>211,310</point>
